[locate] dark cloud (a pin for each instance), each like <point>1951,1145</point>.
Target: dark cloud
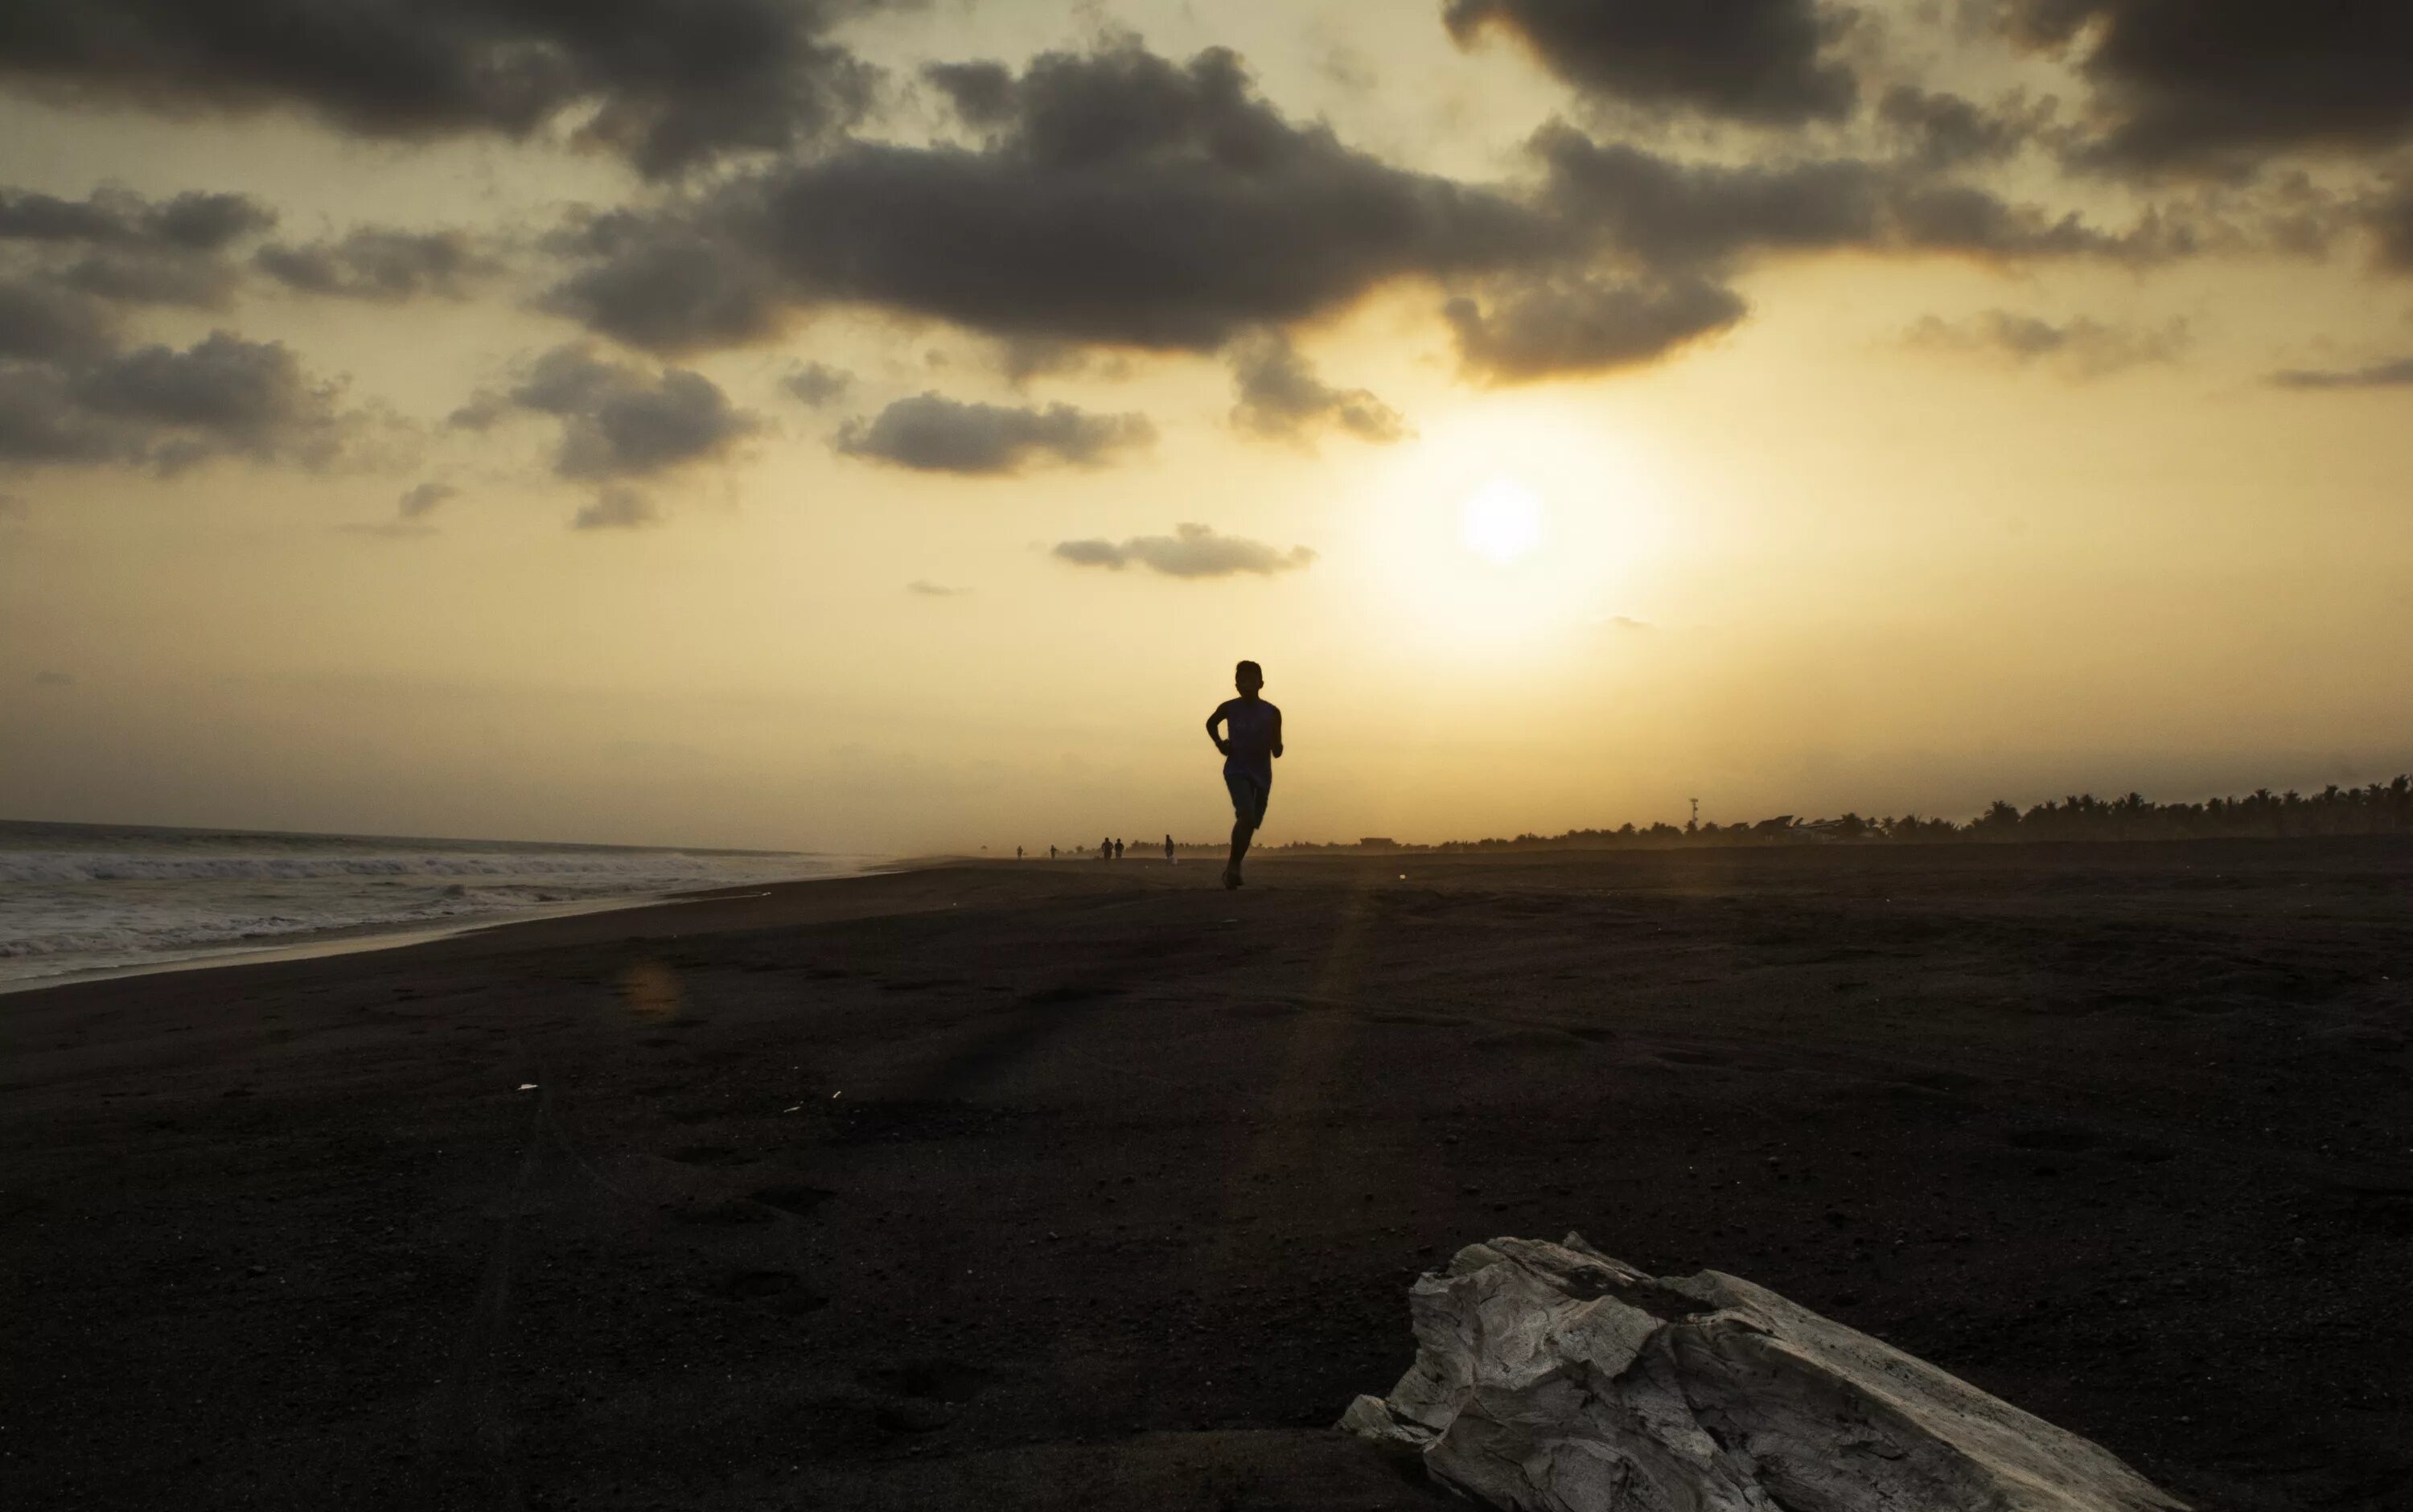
<point>2390,218</point>
<point>666,285</point>
<point>45,324</point>
<point>2396,373</point>
<point>2194,81</point>
<point>53,680</point>
<point>2082,346</point>
<point>1550,328</point>
<point>190,222</point>
<point>925,588</point>
<point>1674,215</point>
<point>932,433</point>
<point>122,248</point>
<point>1750,60</point>
<point>817,384</point>
<point>617,507</point>
<point>422,498</point>
<point>1280,396</point>
<point>1945,130</point>
<point>167,410</point>
<point>668,83</point>
<point>1123,199</point>
<point>1191,551</point>
<point>618,422</point>
<point>982,92</point>
<point>379,263</point>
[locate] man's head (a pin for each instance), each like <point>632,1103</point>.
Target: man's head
<point>1248,676</point>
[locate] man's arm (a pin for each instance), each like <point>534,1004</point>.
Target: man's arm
<point>1277,732</point>
<point>1212,721</point>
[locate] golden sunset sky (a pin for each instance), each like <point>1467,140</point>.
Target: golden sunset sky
<point>880,426</point>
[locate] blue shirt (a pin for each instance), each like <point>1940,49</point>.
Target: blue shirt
<point>1252,728</point>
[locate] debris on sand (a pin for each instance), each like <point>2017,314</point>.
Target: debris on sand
<point>1551,1378</point>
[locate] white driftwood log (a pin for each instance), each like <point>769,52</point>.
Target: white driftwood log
<point>1551,1378</point>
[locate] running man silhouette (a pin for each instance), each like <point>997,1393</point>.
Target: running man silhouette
<point>1251,739</point>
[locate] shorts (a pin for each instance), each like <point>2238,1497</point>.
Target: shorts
<point>1248,798</point>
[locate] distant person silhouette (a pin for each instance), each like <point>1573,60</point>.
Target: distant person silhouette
<point>1017,852</point>
<point>1105,850</point>
<point>1051,853</point>
<point>1170,859</point>
<point>1251,739</point>
<point>1119,850</point>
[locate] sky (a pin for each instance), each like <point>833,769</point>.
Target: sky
<point>870,425</point>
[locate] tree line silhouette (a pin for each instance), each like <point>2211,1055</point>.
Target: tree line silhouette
<point>2375,809</point>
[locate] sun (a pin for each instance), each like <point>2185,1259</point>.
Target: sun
<point>1501,522</point>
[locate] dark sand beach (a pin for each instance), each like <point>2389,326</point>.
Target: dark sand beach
<point>1087,1185</point>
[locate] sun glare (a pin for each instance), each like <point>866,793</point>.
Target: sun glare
<point>1509,531</point>
<point>1501,520</point>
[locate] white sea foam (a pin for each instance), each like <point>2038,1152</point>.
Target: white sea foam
<point>77,898</point>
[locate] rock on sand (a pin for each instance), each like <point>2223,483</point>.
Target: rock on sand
<point>1549,1377</point>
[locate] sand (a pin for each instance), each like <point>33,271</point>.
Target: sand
<point>1070,1185</point>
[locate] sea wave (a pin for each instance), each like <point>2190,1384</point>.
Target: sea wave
<point>63,868</point>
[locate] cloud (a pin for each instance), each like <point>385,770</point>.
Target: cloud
<point>617,420</point>
<point>1279,397</point>
<point>925,588</point>
<point>2192,82</point>
<point>617,507</point>
<point>1122,200</point>
<point>189,222</point>
<point>2390,218</point>
<point>123,247</point>
<point>1583,326</point>
<point>53,680</point>
<point>167,409</point>
<point>377,263</point>
<point>1944,130</point>
<point>932,433</point>
<point>669,84</point>
<point>816,384</point>
<point>1191,551</point>
<point>2394,373</point>
<point>422,498</point>
<point>2082,347</point>
<point>1674,215</point>
<point>1749,60</point>
<point>45,324</point>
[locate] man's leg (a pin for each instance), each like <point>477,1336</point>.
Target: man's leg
<point>1241,832</point>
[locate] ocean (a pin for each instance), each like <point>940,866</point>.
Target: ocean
<point>81,898</point>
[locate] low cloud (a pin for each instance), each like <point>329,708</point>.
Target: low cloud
<point>932,433</point>
<point>377,263</point>
<point>123,249</point>
<point>2082,348</point>
<point>618,507</point>
<point>619,420</point>
<point>925,588</point>
<point>1549,329</point>
<point>669,84</point>
<point>817,384</point>
<point>2227,83</point>
<point>1191,551</point>
<point>422,498</point>
<point>53,680</point>
<point>1945,130</point>
<point>1759,61</point>
<point>167,409</point>
<point>2394,373</point>
<point>1281,397</point>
